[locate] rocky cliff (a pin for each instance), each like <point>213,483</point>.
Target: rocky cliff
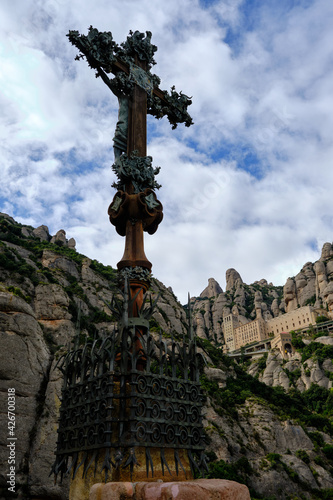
<point>313,285</point>
<point>257,432</point>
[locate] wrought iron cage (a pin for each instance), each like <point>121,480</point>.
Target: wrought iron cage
<point>128,390</point>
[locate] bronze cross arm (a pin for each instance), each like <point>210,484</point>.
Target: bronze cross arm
<point>130,63</point>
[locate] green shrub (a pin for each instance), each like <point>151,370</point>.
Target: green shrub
<point>321,319</point>
<point>320,351</point>
<point>311,301</point>
<point>296,340</point>
<point>153,325</point>
<point>17,291</point>
<point>328,450</point>
<point>317,438</point>
<point>107,272</point>
<point>326,494</point>
<point>274,459</point>
<point>319,461</point>
<point>302,454</point>
<point>236,471</point>
<point>215,354</point>
<point>316,399</point>
<point>262,362</point>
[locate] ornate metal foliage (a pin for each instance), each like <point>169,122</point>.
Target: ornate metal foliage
<point>127,391</point>
<point>102,54</point>
<point>137,170</point>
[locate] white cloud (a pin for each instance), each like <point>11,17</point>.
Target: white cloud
<point>248,186</point>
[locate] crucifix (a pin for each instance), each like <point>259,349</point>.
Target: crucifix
<point>135,208</point>
<point>138,399</point>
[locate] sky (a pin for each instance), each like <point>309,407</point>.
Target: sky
<point>248,186</point>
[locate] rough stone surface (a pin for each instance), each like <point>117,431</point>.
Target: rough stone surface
<point>55,261</point>
<point>213,289</point>
<point>24,363</point>
<point>273,374</point>
<point>208,489</point>
<point>42,232</point>
<point>233,279</point>
<point>60,237</point>
<point>71,243</point>
<point>38,323</point>
<point>11,303</point>
<point>51,302</point>
<point>111,491</point>
<point>41,456</point>
<point>289,293</point>
<point>327,296</point>
<point>327,251</point>
<point>216,374</point>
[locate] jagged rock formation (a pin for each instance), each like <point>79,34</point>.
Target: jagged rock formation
<point>42,233</point>
<point>233,279</point>
<point>213,289</point>
<point>44,286</point>
<point>295,373</point>
<point>281,448</point>
<point>313,285</point>
<point>245,301</point>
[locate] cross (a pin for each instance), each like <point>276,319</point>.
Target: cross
<point>135,207</point>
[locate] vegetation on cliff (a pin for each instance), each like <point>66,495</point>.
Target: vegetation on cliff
<point>276,440</point>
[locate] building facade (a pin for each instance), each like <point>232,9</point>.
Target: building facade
<point>282,342</point>
<point>230,323</point>
<point>250,332</point>
<point>237,335</point>
<point>293,320</point>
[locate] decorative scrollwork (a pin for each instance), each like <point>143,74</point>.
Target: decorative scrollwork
<point>101,434</point>
<point>141,408</point>
<point>104,385</point>
<point>169,412</point>
<point>181,391</point>
<point>196,436</point>
<point>81,438</point>
<point>170,434</point>
<point>141,432</point>
<point>183,435</point>
<point>156,411</point>
<point>156,387</point>
<point>124,407</point>
<point>102,410</point>
<point>169,390</point>
<point>194,393</point>
<point>156,433</point>
<point>182,414</point>
<point>76,395</point>
<point>91,436</point>
<point>142,384</point>
<point>195,414</point>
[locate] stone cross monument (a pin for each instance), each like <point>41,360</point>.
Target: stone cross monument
<point>131,403</point>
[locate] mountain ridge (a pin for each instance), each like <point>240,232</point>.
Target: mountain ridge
<point>273,435</point>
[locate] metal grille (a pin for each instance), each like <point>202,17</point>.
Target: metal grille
<point>110,406</point>
<point>165,412</point>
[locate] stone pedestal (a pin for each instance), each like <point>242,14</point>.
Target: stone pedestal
<point>199,489</point>
<point>80,486</point>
